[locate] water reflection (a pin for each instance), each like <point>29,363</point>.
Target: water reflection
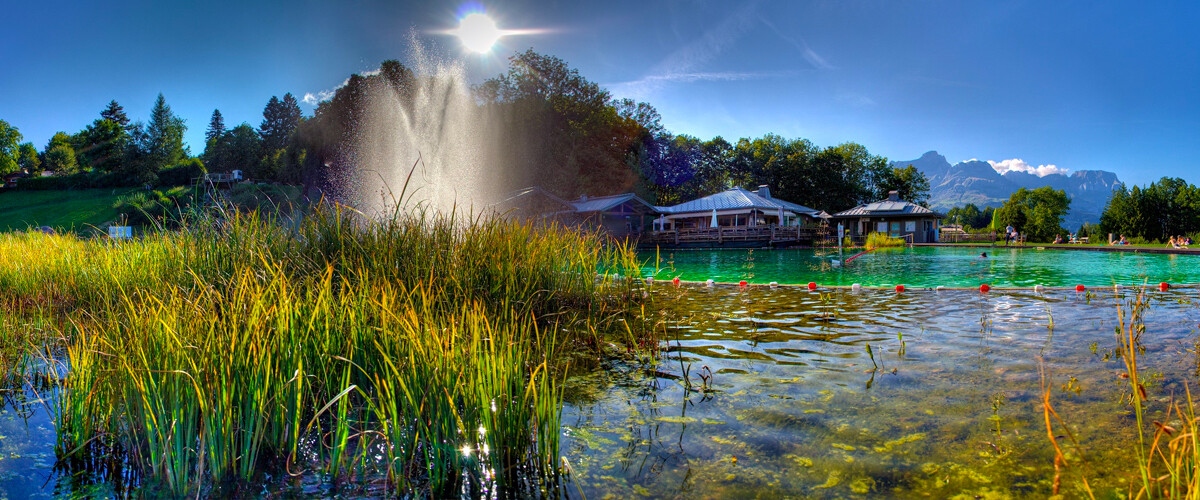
<point>792,402</point>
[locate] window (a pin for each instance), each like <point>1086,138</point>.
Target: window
<point>881,227</point>
<point>910,226</point>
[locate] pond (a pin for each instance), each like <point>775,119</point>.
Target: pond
<point>773,392</point>
<point>785,398</point>
<point>925,267</point>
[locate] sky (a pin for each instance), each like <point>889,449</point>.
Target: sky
<point>1042,86</point>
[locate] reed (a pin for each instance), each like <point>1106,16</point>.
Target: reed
<point>882,240</point>
<point>247,343</point>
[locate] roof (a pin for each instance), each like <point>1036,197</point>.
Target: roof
<point>605,203</point>
<point>888,208</point>
<point>735,199</point>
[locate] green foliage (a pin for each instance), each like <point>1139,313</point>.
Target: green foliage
<point>266,198</point>
<point>1166,208</point>
<point>163,142</point>
<point>116,114</point>
<point>61,159</point>
<point>156,207</point>
<point>9,139</point>
<point>1037,213</point>
<point>102,145</point>
<point>237,149</point>
<point>182,174</point>
<point>280,119</point>
<point>882,240</point>
<point>414,338</point>
<point>970,217</point>
<point>216,127</point>
<point>27,158</point>
<point>908,181</point>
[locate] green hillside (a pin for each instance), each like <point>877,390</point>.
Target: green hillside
<point>73,210</point>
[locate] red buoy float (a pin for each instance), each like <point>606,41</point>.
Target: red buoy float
<point>812,286</point>
<point>675,281</point>
<point>1164,286</point>
<point>984,288</point>
<point>1080,288</point>
<point>742,283</point>
<point>899,288</point>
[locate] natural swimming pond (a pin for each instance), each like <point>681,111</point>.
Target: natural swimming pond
<point>774,392</point>
<point>925,267</point>
<point>786,399</point>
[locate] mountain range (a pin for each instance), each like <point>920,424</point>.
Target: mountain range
<point>975,181</point>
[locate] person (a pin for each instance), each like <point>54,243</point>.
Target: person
<point>1122,241</point>
<point>1009,232</point>
<point>983,255</point>
<point>1173,243</point>
<point>1187,240</point>
<point>1182,242</point>
<point>1058,239</point>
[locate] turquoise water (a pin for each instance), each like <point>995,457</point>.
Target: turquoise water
<point>926,267</point>
<point>787,393</point>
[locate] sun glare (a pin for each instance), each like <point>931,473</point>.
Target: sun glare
<point>478,32</point>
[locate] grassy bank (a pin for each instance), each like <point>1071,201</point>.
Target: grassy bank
<point>421,351</point>
<point>74,210</point>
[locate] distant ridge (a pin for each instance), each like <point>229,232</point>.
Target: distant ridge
<point>977,182</point>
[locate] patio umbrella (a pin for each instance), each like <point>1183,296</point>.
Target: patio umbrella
<point>780,216</point>
<point>714,219</point>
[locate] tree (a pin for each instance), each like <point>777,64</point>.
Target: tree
<point>237,149</point>
<point>1036,213</point>
<point>27,158</point>
<point>164,135</point>
<point>116,114</point>
<point>101,146</point>
<point>1165,208</point>
<point>909,182</point>
<point>216,126</point>
<point>10,137</point>
<point>280,119</point>
<point>59,155</point>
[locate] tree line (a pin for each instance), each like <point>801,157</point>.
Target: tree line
<point>556,129</point>
<point>1166,208</point>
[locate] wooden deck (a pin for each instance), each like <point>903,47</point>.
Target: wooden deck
<point>771,235</point>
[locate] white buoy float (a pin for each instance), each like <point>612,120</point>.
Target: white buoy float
<point>709,282</point>
<point>774,284</point>
<point>649,280</point>
<point>939,288</point>
<point>1039,288</point>
<point>855,287</point>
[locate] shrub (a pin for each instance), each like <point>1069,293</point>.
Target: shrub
<point>182,173</point>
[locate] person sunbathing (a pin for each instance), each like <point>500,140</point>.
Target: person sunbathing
<point>1173,243</point>
<point>1182,242</point>
<point>1058,239</point>
<point>1122,241</point>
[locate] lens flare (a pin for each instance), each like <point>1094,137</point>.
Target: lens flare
<point>478,32</point>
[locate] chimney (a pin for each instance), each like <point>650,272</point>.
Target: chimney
<point>893,196</point>
<point>764,191</point>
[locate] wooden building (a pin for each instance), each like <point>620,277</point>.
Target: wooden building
<point>896,217</point>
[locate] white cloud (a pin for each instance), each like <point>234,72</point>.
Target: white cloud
<point>1019,165</point>
<point>324,95</point>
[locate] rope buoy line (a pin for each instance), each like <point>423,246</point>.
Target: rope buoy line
<point>982,288</point>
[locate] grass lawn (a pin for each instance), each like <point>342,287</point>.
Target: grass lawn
<point>74,210</point>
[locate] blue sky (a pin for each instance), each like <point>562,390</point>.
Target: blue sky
<point>1077,85</point>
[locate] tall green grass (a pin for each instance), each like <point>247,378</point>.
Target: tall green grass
<point>423,350</point>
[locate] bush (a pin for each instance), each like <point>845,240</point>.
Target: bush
<point>882,240</point>
<point>181,174</point>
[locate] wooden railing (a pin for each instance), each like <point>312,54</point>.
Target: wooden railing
<point>957,237</point>
<point>719,235</point>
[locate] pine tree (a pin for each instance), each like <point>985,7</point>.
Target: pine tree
<point>216,126</point>
<point>164,135</point>
<point>116,113</point>
<point>280,119</point>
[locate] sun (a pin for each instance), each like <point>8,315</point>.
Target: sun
<point>478,32</point>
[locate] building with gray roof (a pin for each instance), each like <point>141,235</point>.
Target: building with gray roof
<point>896,217</point>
